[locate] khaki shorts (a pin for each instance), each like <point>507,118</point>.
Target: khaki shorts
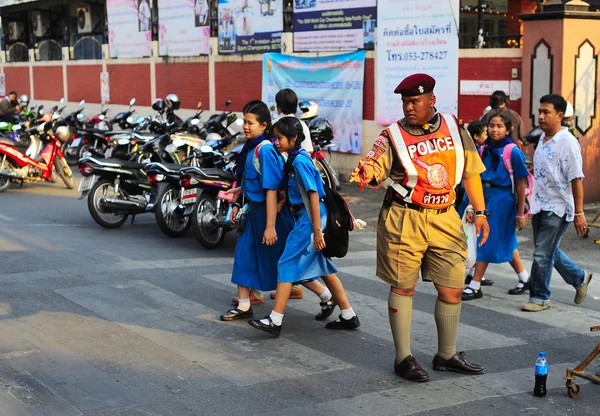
<point>409,241</point>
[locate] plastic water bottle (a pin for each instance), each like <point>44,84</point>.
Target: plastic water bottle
<point>541,373</point>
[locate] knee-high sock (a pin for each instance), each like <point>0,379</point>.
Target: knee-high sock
<point>400,314</point>
<point>446,320</point>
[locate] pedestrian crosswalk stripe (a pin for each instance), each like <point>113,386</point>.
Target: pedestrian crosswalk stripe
<point>231,350</point>
<point>416,397</point>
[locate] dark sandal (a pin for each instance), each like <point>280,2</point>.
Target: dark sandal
<point>235,313</point>
<point>271,328</point>
<point>327,309</point>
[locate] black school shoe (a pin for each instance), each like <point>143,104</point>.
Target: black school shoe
<point>327,309</point>
<point>469,293</point>
<point>235,313</point>
<point>519,289</point>
<point>486,282</point>
<point>269,328</point>
<point>342,323</point>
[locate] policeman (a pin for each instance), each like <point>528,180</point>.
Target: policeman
<point>421,159</point>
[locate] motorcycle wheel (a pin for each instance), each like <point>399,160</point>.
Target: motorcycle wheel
<point>64,171</point>
<point>104,219</point>
<point>5,182</point>
<point>327,180</point>
<point>82,150</point>
<point>208,236</point>
<point>169,223</point>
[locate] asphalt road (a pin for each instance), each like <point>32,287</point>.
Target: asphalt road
<point>125,322</point>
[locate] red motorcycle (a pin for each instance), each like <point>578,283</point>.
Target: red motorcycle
<point>24,162</point>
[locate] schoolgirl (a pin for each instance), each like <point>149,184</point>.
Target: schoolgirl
<point>506,207</point>
<point>302,258</point>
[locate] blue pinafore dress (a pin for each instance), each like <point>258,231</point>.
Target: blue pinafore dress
<point>255,263</point>
<point>502,205</point>
<point>300,260</point>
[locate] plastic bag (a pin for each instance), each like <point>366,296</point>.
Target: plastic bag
<point>471,236</point>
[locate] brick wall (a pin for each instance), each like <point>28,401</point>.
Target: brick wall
<point>17,79</point>
<point>471,107</point>
<point>188,80</point>
<point>48,83</point>
<point>129,81</point>
<point>239,82</point>
<point>83,83</point>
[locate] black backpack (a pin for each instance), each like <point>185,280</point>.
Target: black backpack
<point>339,218</point>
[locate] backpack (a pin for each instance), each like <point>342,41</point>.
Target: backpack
<point>256,160</point>
<point>339,221</point>
<point>507,160</point>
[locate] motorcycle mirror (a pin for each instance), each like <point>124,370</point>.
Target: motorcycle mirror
<point>81,103</point>
<point>80,116</point>
<point>132,102</point>
<point>123,142</point>
<point>101,117</point>
<point>130,120</point>
<point>199,106</point>
<point>206,149</point>
<point>16,127</point>
<point>227,103</point>
<point>62,100</point>
<point>239,122</point>
<point>55,108</point>
<point>195,122</point>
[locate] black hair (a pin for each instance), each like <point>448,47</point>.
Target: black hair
<point>262,113</point>
<point>291,127</point>
<point>287,100</point>
<point>498,98</point>
<point>12,92</point>
<point>504,114</point>
<point>476,128</point>
<point>559,103</point>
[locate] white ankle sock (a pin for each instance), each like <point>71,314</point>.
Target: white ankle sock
<point>348,313</point>
<point>326,295</point>
<point>244,305</point>
<point>475,285</point>
<point>523,276</point>
<point>277,319</point>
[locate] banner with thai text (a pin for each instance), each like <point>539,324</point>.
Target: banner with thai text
<point>334,83</point>
<point>334,25</point>
<point>183,27</point>
<point>129,28</point>
<point>416,37</point>
<point>250,26</point>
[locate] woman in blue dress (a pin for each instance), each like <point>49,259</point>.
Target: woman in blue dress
<point>302,258</point>
<point>262,240</point>
<point>506,207</point>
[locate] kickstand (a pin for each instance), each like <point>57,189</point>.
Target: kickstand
<point>132,218</point>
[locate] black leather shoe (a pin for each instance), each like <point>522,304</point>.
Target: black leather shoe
<point>342,323</point>
<point>235,313</point>
<point>471,294</point>
<point>457,363</point>
<point>519,291</point>
<point>486,282</point>
<point>410,369</point>
<point>271,328</point>
<point>327,309</point>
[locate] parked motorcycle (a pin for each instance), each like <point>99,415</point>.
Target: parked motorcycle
<point>17,166</point>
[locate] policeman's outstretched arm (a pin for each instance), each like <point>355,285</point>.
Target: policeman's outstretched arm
<point>475,193</point>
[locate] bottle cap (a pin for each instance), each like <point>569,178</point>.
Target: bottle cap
<point>543,354</point>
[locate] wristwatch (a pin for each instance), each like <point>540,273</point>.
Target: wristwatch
<point>485,213</point>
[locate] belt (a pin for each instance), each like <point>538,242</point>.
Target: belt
<point>432,211</point>
<point>491,185</point>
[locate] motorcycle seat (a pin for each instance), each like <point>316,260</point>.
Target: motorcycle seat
<point>141,137</point>
<point>220,173</point>
<point>103,132</point>
<point>120,162</point>
<point>12,143</point>
<point>170,167</point>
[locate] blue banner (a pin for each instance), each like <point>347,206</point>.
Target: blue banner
<point>335,83</point>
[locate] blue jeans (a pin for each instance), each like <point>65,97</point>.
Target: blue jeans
<point>548,230</point>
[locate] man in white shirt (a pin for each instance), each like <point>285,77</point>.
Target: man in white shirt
<point>287,106</point>
<point>557,201</point>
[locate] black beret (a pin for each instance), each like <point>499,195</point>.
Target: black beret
<point>416,84</point>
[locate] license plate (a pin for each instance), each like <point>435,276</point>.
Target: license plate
<point>86,183</point>
<point>76,142</point>
<point>188,196</point>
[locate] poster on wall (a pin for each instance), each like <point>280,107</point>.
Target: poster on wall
<point>250,26</point>
<point>334,25</point>
<point>2,85</point>
<point>334,83</point>
<point>104,88</point>
<point>129,28</point>
<point>416,37</point>
<point>183,27</point>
